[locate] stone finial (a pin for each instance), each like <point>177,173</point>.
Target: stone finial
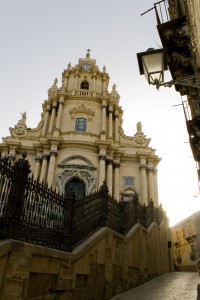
<point>114,87</point>
<point>104,69</point>
<point>20,130</point>
<point>53,91</point>
<point>69,66</point>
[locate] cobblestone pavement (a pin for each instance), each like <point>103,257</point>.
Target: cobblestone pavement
<point>170,286</point>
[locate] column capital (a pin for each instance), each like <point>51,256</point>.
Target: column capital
<point>143,167</point>
<point>61,101</point>
<point>110,109</point>
<point>102,157</point>
<point>48,108</point>
<point>116,164</point>
<point>54,105</point>
<point>104,104</point>
<point>45,157</point>
<point>109,161</point>
<point>53,153</point>
<point>38,158</point>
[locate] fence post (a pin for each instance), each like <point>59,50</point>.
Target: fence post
<point>15,204</point>
<point>135,209</point>
<point>122,216</point>
<point>150,213</point>
<point>69,213</point>
<point>103,192</point>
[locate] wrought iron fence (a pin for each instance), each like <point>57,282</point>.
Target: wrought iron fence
<point>32,213</point>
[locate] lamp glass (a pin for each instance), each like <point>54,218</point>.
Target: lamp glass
<point>153,67</point>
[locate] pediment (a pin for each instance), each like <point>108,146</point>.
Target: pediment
<point>77,161</point>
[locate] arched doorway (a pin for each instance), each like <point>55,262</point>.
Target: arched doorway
<point>78,187</point>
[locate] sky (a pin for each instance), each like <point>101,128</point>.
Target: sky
<point>38,40</point>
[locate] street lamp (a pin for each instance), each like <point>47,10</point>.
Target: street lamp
<point>153,63</point>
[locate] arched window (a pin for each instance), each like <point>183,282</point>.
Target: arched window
<point>77,186</point>
<point>80,125</point>
<point>84,85</point>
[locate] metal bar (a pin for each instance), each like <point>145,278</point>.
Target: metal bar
<point>183,81</point>
<point>147,11</point>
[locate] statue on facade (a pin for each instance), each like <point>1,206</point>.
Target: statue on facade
<point>53,91</point>
<point>139,126</point>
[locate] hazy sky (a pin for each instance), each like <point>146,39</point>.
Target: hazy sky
<point>40,37</point>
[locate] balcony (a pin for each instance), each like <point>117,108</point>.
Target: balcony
<point>177,244</point>
<point>193,127</point>
<point>190,238</point>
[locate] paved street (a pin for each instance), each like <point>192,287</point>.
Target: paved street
<point>170,286</point>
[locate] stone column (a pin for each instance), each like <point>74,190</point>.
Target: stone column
<point>53,113</point>
<point>110,122</point>
<point>116,126</point>
<point>156,201</point>
<point>143,184</point>
<point>102,170</point>
<point>110,176</point>
<point>94,82</point>
<point>43,172</point>
<point>116,181</point>
<point>60,109</point>
<point>151,183</point>
<point>38,160</point>
<point>65,81</point>
<point>51,170</point>
<point>103,116</point>
<point>46,120</point>
<point>76,80</point>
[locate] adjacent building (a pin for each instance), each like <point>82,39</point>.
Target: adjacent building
<point>186,243</point>
<point>180,37</point>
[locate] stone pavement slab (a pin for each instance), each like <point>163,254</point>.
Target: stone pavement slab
<point>170,286</point>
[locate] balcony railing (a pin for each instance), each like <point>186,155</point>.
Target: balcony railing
<point>84,93</point>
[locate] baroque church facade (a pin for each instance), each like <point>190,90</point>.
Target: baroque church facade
<point>80,142</point>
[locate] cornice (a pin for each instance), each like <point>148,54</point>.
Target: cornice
<point>74,144</point>
<point>102,144</point>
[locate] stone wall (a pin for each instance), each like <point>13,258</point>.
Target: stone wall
<point>104,265</point>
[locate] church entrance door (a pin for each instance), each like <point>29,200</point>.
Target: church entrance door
<point>78,187</point>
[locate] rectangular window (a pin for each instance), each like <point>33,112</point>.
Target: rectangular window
<point>128,180</point>
<point>80,125</point>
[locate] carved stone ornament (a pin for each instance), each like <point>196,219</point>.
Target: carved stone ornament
<point>20,130</point>
<point>53,91</point>
<point>82,109</point>
<point>68,174</point>
<point>76,166</point>
<point>139,138</point>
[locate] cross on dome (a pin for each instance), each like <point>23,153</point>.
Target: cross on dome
<point>88,53</point>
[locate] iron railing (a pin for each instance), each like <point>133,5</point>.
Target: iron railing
<point>32,213</point>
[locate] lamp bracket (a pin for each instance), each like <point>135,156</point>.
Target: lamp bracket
<point>191,81</point>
